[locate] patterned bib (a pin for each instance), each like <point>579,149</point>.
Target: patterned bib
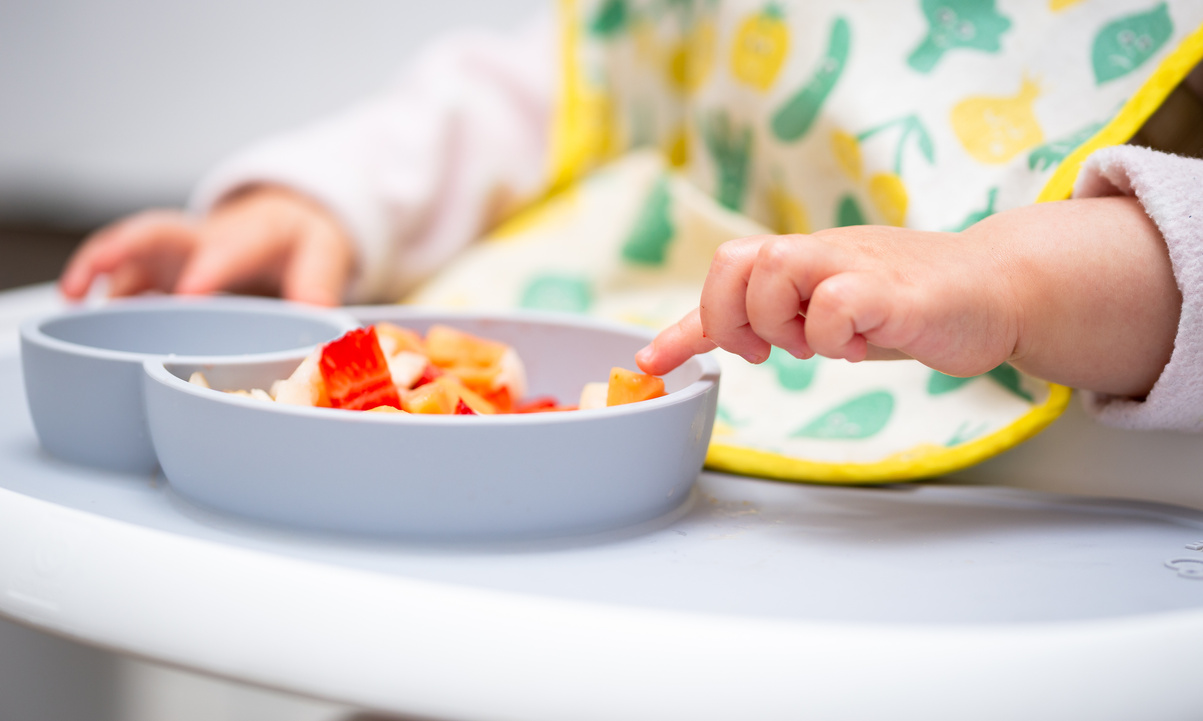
<point>686,123</point>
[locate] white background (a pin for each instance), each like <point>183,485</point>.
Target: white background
<point>107,106</point>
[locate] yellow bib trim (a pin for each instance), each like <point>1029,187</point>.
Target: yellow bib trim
<point>1131,117</point>
<point>919,462</point>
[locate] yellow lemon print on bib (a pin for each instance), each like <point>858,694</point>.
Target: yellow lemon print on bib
<point>691,60</point>
<point>995,129</point>
<point>761,44</point>
<point>789,214</point>
<point>846,148</point>
<point>889,196</point>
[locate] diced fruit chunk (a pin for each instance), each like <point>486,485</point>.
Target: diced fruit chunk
<point>536,405</point>
<point>305,386</point>
<point>443,395</point>
<point>356,373</point>
<point>630,387</point>
<point>593,395</point>
<point>448,347</point>
<point>407,368</point>
<point>394,339</point>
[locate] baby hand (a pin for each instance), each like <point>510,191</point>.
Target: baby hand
<point>852,293</point>
<point>263,239</point>
<point>1078,292</point>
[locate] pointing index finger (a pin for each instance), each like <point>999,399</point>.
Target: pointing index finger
<point>674,345</point>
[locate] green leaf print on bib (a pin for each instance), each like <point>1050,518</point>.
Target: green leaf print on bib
<point>793,120</point>
<point>859,418</point>
<point>793,374</point>
<point>731,148</point>
<point>1046,156</point>
<point>1005,375</point>
<point>724,415</point>
<point>966,432</point>
<point>849,213</point>
<point>974,24</point>
<point>648,241</point>
<point>977,215</point>
<point>1126,43</point>
<point>557,292</point>
<point>610,20</point>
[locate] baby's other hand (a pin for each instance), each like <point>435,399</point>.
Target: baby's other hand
<point>264,239</point>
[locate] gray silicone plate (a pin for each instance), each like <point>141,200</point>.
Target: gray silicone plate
<point>83,367</point>
<point>443,477</point>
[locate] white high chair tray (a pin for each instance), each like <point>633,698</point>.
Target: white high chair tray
<point>755,599</point>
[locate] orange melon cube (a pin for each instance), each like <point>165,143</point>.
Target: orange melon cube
<point>442,395</point>
<point>430,398</point>
<point>398,339</point>
<point>630,387</point>
<point>479,378</point>
<point>448,347</point>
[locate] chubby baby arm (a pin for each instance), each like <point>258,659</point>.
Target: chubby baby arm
<point>1078,292</point>
<point>264,238</point>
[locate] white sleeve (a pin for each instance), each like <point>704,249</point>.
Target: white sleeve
<point>1170,189</point>
<point>420,171</point>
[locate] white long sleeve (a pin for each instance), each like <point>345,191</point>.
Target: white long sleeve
<point>1170,189</point>
<point>420,171</point>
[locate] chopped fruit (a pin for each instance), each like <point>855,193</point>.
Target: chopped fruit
<point>305,386</point>
<point>356,373</point>
<point>428,398</point>
<point>442,395</point>
<point>630,387</point>
<point>199,379</point>
<point>395,339</point>
<point>545,409</point>
<point>447,347</point>
<point>593,395</point>
<point>482,378</point>
<point>501,399</point>
<point>407,368</point>
<point>512,374</point>
<point>534,405</point>
<point>386,368</point>
<point>429,373</point>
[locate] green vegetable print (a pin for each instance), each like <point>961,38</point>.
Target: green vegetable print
<point>861,417</point>
<point>1125,44</point>
<point>1053,152</point>
<point>974,24</point>
<point>731,148</point>
<point>1005,375</point>
<point>793,374</point>
<point>966,432</point>
<point>849,213</point>
<point>724,415</point>
<point>977,215</point>
<point>910,126</point>
<point>557,292</point>
<point>610,20</point>
<point>648,241</point>
<point>793,120</point>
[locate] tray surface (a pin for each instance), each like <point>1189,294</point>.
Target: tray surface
<point>930,553</point>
